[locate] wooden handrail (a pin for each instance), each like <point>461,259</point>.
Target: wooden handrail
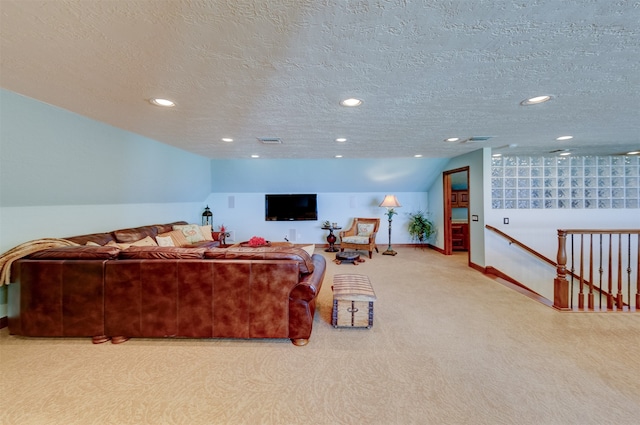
<point>521,245</point>
<point>602,231</point>
<point>563,289</point>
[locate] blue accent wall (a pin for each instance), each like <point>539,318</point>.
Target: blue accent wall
<point>50,156</point>
<point>386,175</point>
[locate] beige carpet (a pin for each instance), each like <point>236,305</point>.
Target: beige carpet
<point>448,346</point>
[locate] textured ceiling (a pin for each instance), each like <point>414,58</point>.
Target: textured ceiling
<point>426,70</point>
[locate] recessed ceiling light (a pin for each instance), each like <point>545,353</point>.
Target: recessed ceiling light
<point>452,139</point>
<point>564,138</point>
<point>565,153</point>
<point>417,156</point>
<point>535,100</point>
<point>633,153</point>
<point>255,156</point>
<point>352,101</point>
<point>341,139</point>
<point>161,102</point>
<point>496,155</point>
<point>227,139</point>
<point>338,156</point>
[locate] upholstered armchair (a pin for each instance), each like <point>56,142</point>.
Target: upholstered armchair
<point>361,236</point>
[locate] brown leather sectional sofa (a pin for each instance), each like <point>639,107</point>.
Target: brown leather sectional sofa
<point>195,292</point>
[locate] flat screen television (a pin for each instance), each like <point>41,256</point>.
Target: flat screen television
<point>295,207</point>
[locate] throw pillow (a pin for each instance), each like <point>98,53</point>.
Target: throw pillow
<point>164,240</point>
<point>365,229</point>
<point>310,249</point>
<point>148,241</point>
<point>177,237</point>
<point>206,232</point>
<point>190,231</point>
<point>119,245</point>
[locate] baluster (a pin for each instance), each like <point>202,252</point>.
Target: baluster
<point>560,284</point>
<point>629,269</point>
<point>638,274</point>
<point>600,270</point>
<point>590,271</point>
<point>610,278</point>
<point>573,270</point>
<point>619,303</point>
<point>581,291</point>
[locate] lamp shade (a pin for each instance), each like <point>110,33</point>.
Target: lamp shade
<point>390,201</point>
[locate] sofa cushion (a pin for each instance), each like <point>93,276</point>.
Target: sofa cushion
<point>77,253</point>
<point>135,234</point>
<point>99,238</point>
<point>164,228</point>
<point>273,253</point>
<point>205,244</point>
<point>161,253</point>
<point>148,241</point>
<point>215,253</point>
<point>190,231</point>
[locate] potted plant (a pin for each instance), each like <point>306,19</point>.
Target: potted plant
<point>420,227</point>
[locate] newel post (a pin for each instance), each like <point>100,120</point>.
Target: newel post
<point>560,283</point>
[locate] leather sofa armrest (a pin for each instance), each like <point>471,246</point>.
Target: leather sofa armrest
<point>310,284</point>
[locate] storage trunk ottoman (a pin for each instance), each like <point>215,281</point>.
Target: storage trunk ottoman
<point>353,299</point>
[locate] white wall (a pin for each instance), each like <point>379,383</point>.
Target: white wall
<point>538,229</point>
<point>246,217</point>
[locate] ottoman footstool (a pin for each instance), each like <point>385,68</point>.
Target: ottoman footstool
<point>353,299</point>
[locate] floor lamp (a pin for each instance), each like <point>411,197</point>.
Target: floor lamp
<point>390,202</point>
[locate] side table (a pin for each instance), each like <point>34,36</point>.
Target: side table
<point>331,238</point>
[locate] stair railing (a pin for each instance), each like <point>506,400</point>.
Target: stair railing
<point>614,263</point>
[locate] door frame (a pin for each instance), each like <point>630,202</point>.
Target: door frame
<point>446,190</point>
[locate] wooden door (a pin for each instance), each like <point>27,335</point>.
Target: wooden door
<point>449,198</point>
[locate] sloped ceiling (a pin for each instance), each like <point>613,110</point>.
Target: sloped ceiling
<point>426,70</point>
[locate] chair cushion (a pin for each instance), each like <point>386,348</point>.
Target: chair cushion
<point>365,229</point>
<point>364,240</point>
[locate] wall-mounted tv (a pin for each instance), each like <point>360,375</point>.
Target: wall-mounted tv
<point>294,207</point>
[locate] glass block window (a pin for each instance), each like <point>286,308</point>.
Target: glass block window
<point>563,182</point>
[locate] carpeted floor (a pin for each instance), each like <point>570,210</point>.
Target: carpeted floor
<point>448,346</point>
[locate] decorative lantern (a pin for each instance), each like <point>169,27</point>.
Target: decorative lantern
<point>207,217</point>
